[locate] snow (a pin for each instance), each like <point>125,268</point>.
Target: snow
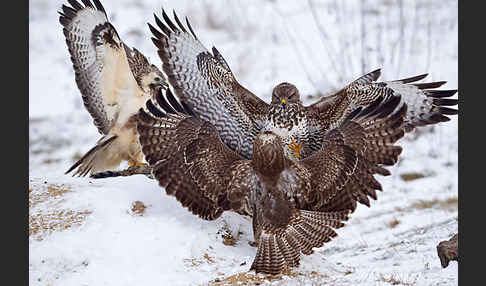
<point>264,42</point>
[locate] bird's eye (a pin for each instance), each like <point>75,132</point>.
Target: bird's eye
<point>157,78</point>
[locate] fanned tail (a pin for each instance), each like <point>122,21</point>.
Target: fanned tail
<point>280,249</point>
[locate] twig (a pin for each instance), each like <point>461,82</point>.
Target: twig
<point>326,42</point>
<point>138,170</point>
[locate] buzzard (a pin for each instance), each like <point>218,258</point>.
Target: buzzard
<point>292,203</point>
<point>114,80</point>
<point>203,80</point>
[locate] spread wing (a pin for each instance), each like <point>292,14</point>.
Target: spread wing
<point>425,105</point>
<point>188,157</point>
<point>366,142</point>
<point>204,81</point>
<point>102,71</point>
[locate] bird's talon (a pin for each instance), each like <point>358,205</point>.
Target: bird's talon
<point>295,147</point>
<point>134,164</point>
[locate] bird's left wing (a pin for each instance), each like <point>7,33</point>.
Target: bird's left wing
<point>425,104</point>
<point>204,81</point>
<point>352,154</point>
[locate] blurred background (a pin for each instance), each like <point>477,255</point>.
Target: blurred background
<point>320,46</point>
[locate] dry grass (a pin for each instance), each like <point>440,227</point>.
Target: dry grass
<point>193,262</point>
<point>198,261</point>
<point>393,223</point>
<point>246,278</point>
<point>411,176</point>
<point>228,237</point>
<point>208,258</point>
<point>40,195</point>
<point>394,279</point>
<point>42,224</point>
<point>48,161</point>
<point>396,243</point>
<point>448,204</point>
<point>251,278</point>
<point>138,208</point>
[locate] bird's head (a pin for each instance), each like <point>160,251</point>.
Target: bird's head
<point>153,80</point>
<point>285,93</point>
<point>268,154</point>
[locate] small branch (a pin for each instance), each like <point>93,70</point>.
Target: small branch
<point>401,39</point>
<point>138,170</point>
<point>326,42</point>
<point>363,37</point>
<point>301,61</point>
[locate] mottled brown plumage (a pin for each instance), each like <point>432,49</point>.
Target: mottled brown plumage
<point>288,200</point>
<point>114,81</point>
<point>204,81</point>
<point>306,124</point>
<point>425,105</point>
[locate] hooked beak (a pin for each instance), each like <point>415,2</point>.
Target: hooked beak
<point>284,103</point>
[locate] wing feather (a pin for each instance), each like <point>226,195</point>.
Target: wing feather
<point>99,60</point>
<point>338,183</point>
<point>424,104</point>
<point>189,158</point>
<point>204,81</point>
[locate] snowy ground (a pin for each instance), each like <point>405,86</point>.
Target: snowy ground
<point>84,232</point>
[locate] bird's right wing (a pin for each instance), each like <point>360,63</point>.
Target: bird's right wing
<point>189,159</point>
<point>204,81</point>
<point>102,71</point>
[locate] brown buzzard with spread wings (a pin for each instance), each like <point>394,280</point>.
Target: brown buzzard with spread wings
<point>293,203</point>
<point>204,81</point>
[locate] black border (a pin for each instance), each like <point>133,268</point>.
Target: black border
<point>16,165</point>
<point>471,146</point>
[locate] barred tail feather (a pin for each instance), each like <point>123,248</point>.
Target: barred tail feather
<point>92,160</point>
<point>280,250</point>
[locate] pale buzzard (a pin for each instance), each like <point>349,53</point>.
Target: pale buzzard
<point>114,80</point>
